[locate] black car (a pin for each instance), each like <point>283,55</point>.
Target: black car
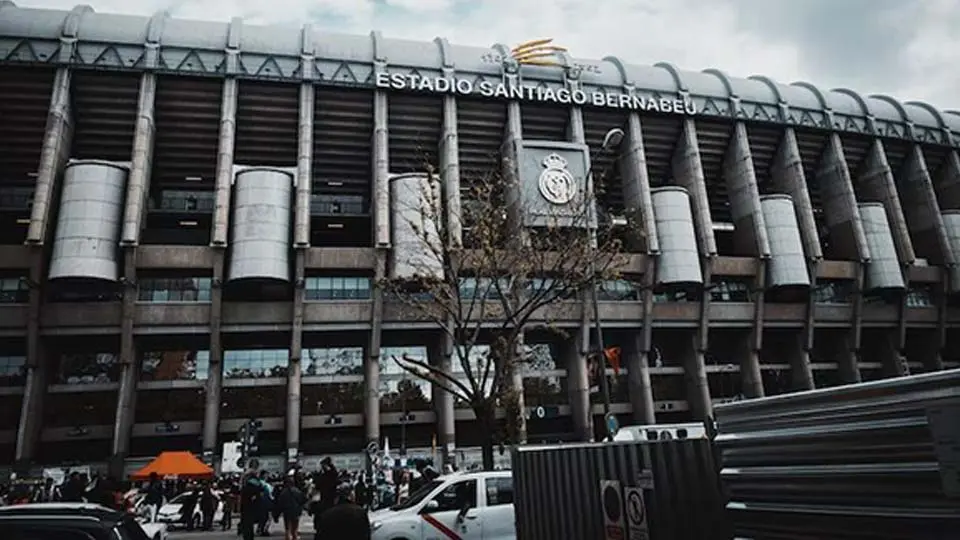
<point>67,521</point>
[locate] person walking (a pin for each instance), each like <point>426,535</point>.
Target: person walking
<point>251,491</point>
<point>208,506</point>
<point>154,496</point>
<point>289,505</point>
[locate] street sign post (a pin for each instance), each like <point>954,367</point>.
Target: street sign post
<point>611,500</point>
<point>636,513</point>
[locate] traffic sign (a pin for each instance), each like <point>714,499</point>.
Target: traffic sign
<point>636,512</point>
<point>611,500</point>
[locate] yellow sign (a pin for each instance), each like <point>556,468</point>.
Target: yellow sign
<point>538,52</point>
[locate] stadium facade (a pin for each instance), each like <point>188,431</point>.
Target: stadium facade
<point>134,150</point>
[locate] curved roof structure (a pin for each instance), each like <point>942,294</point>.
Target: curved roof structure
<point>107,41</point>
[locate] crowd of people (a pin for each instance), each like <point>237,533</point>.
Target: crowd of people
<point>254,501</point>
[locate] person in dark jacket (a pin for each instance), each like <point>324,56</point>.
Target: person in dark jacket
<point>345,520</point>
<point>325,483</point>
<point>154,495</point>
<point>208,506</point>
<point>251,491</point>
<point>72,489</point>
<point>289,505</point>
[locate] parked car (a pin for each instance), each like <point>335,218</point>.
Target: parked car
<point>171,513</point>
<point>71,521</point>
<point>471,506</point>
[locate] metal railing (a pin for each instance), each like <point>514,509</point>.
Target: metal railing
<point>866,461</point>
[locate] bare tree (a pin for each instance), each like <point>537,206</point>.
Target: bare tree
<point>485,276</point>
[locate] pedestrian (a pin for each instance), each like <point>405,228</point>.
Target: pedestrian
<point>289,505</point>
<point>229,498</point>
<point>251,491</point>
<point>153,499</point>
<point>208,506</point>
<point>346,520</point>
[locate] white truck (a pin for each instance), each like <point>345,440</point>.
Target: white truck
<point>469,506</point>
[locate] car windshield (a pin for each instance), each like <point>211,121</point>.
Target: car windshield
<point>183,498</point>
<point>418,496</point>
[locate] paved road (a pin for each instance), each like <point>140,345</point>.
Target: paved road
<point>276,532</point>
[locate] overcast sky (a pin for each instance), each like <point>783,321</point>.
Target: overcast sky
<point>909,49</point>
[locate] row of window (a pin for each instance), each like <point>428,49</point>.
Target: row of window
<point>195,201</point>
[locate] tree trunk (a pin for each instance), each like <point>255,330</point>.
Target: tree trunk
<point>486,414</point>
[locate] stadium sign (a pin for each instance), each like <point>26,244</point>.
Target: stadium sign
<point>489,89</point>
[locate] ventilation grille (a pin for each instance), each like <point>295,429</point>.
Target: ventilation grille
<point>342,135</point>
<point>606,172</point>
<point>713,139</point>
<point>187,120</point>
<point>267,115</point>
<point>764,143</point>
<point>414,127</point>
<point>104,112</point>
<point>544,122</point>
<point>24,102</point>
<point>660,137</point>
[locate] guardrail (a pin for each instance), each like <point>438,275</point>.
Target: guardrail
<point>870,461</point>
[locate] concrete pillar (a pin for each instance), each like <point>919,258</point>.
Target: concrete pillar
<point>301,241</point>
<point>381,170</point>
<point>130,368</point>
<point>876,183</point>
<point>371,392</point>
<point>295,367</point>
<point>636,355</point>
<point>141,162</point>
<point>891,356</point>
<point>798,356</point>
<point>440,353</point>
<point>840,213</point>
<point>688,173</point>
<point>787,176</point>
<point>636,186</point>
<point>578,386</point>
<point>695,374</point>
<point>219,238</point>
<point>450,171</point>
<point>54,154</point>
<point>750,374</point>
<point>750,233</point>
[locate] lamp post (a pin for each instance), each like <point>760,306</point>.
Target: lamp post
<point>611,140</point>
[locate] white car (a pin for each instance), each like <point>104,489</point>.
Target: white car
<point>470,506</point>
<point>170,513</point>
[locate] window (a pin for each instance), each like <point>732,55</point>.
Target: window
<point>919,296</point>
<point>336,361</point>
<point>499,491</point>
<point>12,370</point>
<point>481,288</point>
<point>337,288</point>
<point>324,204</point>
<point>88,368</point>
<point>255,364</point>
<point>457,496</point>
<point>37,531</point>
<point>185,201</point>
<point>730,291</point>
<point>16,198</point>
<point>417,496</point>
<point>833,292</point>
<point>174,365</point>
<point>13,291</point>
<point>190,289</point>
<point>617,291</point>
<point>401,391</point>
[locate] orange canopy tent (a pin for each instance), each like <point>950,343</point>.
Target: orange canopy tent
<point>181,464</point>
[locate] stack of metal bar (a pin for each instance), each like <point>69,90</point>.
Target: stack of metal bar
<point>868,461</point>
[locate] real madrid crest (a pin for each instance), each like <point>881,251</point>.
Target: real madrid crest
<point>556,183</point>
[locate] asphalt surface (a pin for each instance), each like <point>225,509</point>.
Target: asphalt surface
<point>276,532</point>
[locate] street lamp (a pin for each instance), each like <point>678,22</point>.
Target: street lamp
<point>611,141</point>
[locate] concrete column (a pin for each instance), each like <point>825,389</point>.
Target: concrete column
<point>141,162</point>
<point>130,368</point>
<point>891,356</point>
<point>54,154</point>
<point>750,374</point>
<point>688,173</point>
<point>695,374</point>
<point>214,386</point>
<point>922,212</point>
<point>876,183</point>
<point>301,241</point>
<point>847,361</point>
<point>787,176</point>
<point>516,383</point>
<point>750,233</point>
<point>636,186</point>
<point>798,356</point>
<point>440,353</point>
<point>381,170</point>
<point>371,392</point>
<point>295,368</point>
<point>840,212</point>
<point>450,171</point>
<point>225,147</point>
<point>578,386</point>
<point>638,380</point>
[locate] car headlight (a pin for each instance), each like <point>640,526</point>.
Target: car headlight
<point>376,525</point>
